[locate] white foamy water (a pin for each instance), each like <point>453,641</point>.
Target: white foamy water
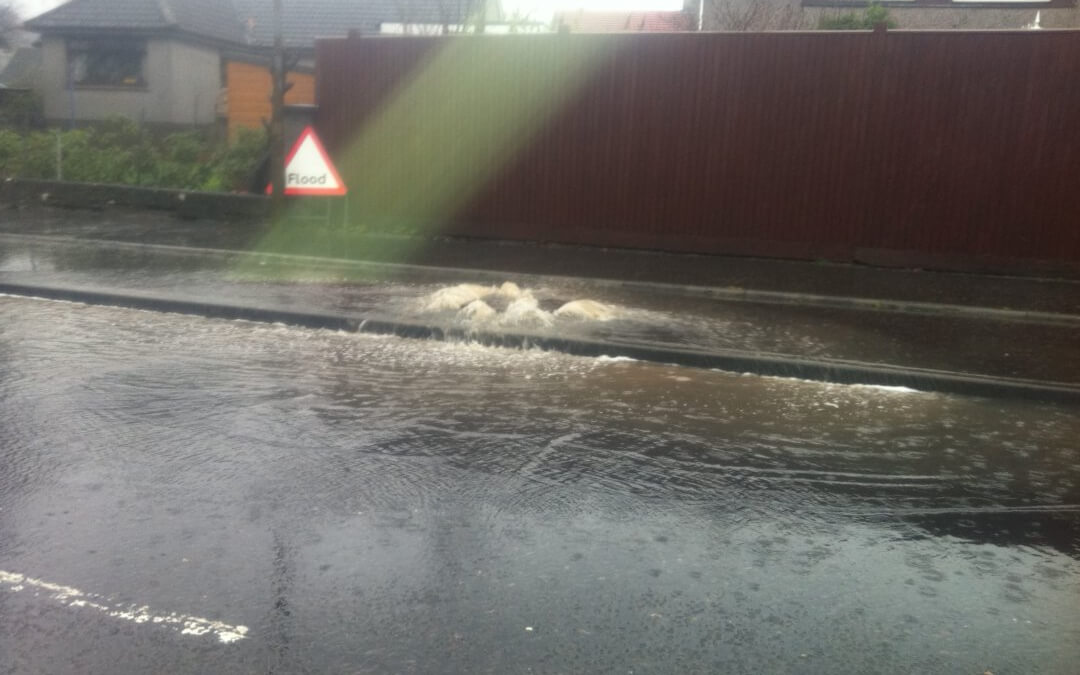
<point>509,305</point>
<point>586,310</point>
<point>455,297</point>
<point>478,310</point>
<point>892,388</point>
<point>511,290</point>
<point>525,311</point>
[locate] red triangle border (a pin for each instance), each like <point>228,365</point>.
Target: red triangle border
<point>339,191</point>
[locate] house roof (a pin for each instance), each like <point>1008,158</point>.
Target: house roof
<point>207,18</point>
<point>248,22</point>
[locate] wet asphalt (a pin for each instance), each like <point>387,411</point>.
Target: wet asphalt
<point>188,495</point>
<point>373,504</point>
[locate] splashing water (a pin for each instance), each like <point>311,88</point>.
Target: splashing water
<point>510,305</point>
<point>455,297</point>
<point>477,310</point>
<point>511,290</point>
<point>525,311</point>
<point>586,309</point>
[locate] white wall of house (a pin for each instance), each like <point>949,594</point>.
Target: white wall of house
<point>183,82</point>
<point>196,83</point>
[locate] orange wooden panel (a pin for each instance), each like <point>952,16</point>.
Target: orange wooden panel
<point>248,92</point>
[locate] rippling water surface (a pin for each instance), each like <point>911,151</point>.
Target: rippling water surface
<point>370,504</point>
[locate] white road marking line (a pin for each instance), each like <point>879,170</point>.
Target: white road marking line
<point>73,597</point>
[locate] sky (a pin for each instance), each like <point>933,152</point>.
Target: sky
<point>31,8</point>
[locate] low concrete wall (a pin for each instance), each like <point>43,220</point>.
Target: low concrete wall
<point>186,204</point>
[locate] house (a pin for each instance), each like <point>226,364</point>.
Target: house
<point>764,15</point>
<point>194,63</point>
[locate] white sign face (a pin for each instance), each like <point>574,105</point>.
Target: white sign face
<point>309,171</point>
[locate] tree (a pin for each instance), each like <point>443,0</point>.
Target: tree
<point>9,23</point>
<point>279,71</point>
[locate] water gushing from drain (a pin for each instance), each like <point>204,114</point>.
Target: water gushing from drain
<point>509,305</point>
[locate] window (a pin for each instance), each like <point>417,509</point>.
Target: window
<point>111,63</point>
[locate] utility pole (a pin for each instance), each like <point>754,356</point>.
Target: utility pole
<point>277,122</point>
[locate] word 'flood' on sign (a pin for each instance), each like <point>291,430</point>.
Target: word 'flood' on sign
<point>309,171</point>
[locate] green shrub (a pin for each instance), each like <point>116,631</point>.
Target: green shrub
<point>118,151</point>
<point>10,151</point>
<point>235,165</point>
<point>183,161</point>
<point>873,15</point>
<point>22,110</point>
<point>38,158</point>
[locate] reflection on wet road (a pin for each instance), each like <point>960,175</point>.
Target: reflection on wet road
<point>366,504</point>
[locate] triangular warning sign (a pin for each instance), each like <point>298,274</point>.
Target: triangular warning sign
<point>309,171</point>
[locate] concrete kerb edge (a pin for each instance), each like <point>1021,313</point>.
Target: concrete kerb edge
<point>717,293</point>
<point>734,361</point>
<point>185,203</point>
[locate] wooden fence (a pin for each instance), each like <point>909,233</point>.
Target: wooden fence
<point>946,149</point>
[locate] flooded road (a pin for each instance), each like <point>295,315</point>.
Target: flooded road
<point>367,504</point>
<point>669,319</point>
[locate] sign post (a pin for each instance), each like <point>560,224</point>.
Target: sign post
<point>310,173</point>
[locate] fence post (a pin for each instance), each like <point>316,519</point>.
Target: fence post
<point>59,156</point>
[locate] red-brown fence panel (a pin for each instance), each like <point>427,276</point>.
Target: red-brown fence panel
<point>921,146</point>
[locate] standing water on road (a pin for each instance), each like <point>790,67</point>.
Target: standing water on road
<point>613,313</point>
<point>367,504</point>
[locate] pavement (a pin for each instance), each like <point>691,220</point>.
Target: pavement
<point>1020,330</point>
